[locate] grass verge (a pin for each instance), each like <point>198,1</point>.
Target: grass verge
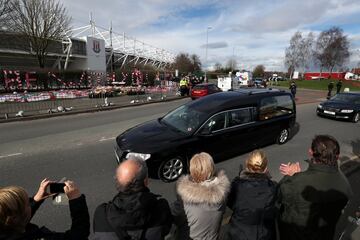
<point>322,84</point>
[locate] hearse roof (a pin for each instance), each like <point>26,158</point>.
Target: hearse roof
<point>232,99</point>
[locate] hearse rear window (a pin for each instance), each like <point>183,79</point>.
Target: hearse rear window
<point>239,117</point>
<point>275,106</point>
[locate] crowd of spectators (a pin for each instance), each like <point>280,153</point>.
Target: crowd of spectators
<point>303,205</point>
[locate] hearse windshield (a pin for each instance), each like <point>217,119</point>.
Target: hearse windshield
<point>184,119</point>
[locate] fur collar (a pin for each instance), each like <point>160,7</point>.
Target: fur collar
<point>211,192</point>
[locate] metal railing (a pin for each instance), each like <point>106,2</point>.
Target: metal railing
<point>17,108</point>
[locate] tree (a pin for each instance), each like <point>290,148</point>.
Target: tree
<point>332,49</point>
<point>183,63</point>
<point>40,22</point>
<point>196,63</point>
<point>299,55</point>
<point>307,51</point>
<point>5,11</point>
<point>218,67</point>
<point>259,71</point>
<point>231,64</point>
<point>293,52</point>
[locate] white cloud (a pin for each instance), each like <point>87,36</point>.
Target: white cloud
<point>257,31</point>
<point>215,45</point>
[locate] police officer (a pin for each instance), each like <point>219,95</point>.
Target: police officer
<point>338,86</point>
<point>330,88</point>
<point>293,88</point>
<point>183,86</point>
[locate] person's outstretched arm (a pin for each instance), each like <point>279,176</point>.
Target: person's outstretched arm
<point>80,220</point>
<point>40,196</point>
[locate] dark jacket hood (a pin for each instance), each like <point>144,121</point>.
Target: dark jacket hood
<point>130,211</point>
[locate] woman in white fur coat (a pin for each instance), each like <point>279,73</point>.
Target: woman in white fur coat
<point>201,203</point>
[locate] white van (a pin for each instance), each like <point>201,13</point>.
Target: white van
<point>228,83</point>
<point>244,78</point>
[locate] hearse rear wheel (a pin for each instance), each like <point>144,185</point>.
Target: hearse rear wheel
<point>283,136</point>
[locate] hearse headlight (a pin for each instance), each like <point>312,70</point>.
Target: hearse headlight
<point>144,156</point>
<point>347,111</point>
<point>320,106</point>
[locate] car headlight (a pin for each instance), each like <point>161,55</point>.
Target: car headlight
<point>347,111</point>
<point>144,156</point>
<point>320,106</point>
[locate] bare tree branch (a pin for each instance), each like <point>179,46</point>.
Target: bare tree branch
<point>332,48</point>
<point>40,22</point>
<point>231,64</point>
<point>5,12</point>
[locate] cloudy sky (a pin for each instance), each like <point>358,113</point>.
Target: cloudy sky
<point>254,31</point>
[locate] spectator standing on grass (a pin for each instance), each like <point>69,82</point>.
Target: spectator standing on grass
<point>252,200</point>
<point>201,203</point>
<point>16,211</point>
<point>330,88</point>
<point>135,212</point>
<point>311,202</point>
<point>338,86</point>
<point>293,88</point>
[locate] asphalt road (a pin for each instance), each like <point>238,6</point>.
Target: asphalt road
<point>80,147</point>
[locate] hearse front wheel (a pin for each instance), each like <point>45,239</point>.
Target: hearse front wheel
<point>170,170</point>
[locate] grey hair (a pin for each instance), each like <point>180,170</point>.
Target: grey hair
<point>137,183</point>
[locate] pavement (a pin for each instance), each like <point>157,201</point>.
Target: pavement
<point>38,110</point>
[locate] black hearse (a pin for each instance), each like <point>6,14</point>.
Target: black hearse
<point>221,124</point>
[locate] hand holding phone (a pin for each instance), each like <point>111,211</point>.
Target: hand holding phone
<point>71,190</point>
<point>57,187</point>
<point>42,192</point>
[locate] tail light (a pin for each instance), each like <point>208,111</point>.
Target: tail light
<point>200,92</point>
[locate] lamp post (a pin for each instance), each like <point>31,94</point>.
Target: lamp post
<point>206,49</point>
<point>233,60</point>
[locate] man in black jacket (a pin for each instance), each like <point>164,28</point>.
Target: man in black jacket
<point>135,212</point>
<point>311,202</point>
<point>16,212</point>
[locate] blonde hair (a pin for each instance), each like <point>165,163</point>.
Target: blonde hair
<point>13,212</point>
<point>202,167</point>
<point>257,162</point>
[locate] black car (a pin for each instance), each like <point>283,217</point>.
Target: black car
<point>341,106</point>
<point>222,124</point>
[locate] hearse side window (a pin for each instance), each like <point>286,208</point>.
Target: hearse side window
<point>275,106</point>
<point>215,123</point>
<point>239,116</point>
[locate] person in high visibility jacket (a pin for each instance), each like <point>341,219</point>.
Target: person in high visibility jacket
<point>184,89</point>
<point>183,82</point>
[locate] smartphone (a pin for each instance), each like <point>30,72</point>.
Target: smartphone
<point>57,187</point>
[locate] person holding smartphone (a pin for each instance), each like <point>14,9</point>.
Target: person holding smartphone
<point>17,210</point>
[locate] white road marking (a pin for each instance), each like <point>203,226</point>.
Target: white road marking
<point>10,155</point>
<point>106,139</point>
